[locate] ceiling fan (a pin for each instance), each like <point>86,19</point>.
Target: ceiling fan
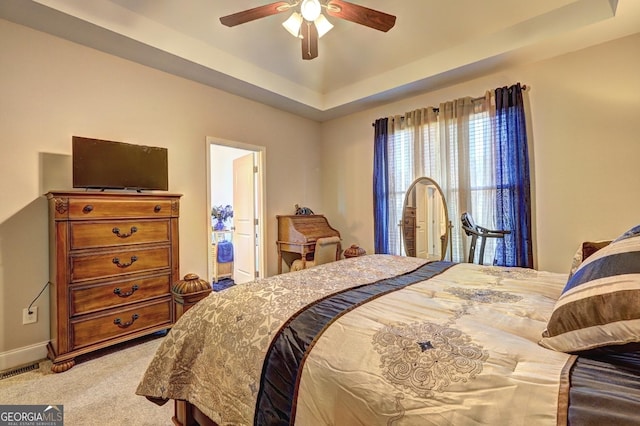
<point>310,24</point>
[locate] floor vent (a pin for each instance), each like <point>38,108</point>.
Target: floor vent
<point>20,370</point>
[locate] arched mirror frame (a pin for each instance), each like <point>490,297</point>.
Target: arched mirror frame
<point>406,216</point>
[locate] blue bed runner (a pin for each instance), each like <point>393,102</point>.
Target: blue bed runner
<point>285,358</point>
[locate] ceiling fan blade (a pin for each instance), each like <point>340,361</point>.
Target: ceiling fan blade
<point>309,40</point>
<point>361,15</point>
<point>255,13</point>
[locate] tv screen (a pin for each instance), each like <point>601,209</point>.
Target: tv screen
<point>101,164</point>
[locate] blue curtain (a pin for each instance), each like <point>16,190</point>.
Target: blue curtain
<point>513,200</point>
<point>381,187</point>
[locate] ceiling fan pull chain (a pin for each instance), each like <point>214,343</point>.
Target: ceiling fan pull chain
<point>308,39</point>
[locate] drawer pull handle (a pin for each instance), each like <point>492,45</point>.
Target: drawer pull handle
<point>121,324</point>
<point>124,265</point>
<point>157,208</point>
<point>117,232</point>
<point>87,209</point>
<point>119,292</point>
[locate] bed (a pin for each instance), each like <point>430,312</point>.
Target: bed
<point>389,340</point>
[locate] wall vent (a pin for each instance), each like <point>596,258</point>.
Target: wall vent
<point>19,370</point>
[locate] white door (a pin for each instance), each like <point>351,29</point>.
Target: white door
<point>433,240</point>
<point>244,220</point>
<point>422,246</point>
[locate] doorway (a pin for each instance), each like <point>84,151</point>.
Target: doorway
<point>236,179</point>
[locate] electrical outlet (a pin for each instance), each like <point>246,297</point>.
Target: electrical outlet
<point>30,318</point>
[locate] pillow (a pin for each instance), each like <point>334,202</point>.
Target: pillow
<point>635,231</point>
<point>586,249</point>
<point>600,304</point>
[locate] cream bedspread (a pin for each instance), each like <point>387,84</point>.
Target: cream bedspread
<point>460,348</point>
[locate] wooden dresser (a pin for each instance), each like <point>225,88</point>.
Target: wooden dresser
<point>113,259</point>
<point>409,230</point>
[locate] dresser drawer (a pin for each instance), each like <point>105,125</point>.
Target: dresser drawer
<point>115,233</point>
<point>118,323</point>
<point>88,266</point>
<point>92,298</point>
<point>96,208</point>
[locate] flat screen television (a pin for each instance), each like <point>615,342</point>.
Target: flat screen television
<point>101,164</point>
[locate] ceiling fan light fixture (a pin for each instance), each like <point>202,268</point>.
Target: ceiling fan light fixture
<point>310,9</point>
<point>293,24</point>
<point>309,23</point>
<point>322,25</point>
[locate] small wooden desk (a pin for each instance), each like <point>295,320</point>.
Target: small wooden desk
<point>297,235</point>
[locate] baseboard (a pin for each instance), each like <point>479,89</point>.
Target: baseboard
<point>22,356</point>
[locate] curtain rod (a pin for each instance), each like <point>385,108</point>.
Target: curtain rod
<point>524,87</point>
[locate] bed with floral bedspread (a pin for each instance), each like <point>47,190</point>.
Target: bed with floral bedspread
<point>383,340</point>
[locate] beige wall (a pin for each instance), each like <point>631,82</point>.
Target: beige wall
<point>584,111</point>
<point>52,89</point>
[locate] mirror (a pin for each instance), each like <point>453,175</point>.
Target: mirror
<point>425,221</point>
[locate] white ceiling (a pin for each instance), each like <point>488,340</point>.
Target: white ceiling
<point>433,44</point>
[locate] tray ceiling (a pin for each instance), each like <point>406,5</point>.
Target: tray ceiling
<point>433,44</point>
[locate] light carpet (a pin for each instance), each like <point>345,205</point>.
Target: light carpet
<point>98,390</point>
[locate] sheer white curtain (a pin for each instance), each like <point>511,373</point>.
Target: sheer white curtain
<point>453,145</point>
<point>482,166</point>
<point>412,153</point>
<point>467,138</point>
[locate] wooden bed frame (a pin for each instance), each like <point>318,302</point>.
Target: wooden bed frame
<point>187,293</point>
<point>187,414</point>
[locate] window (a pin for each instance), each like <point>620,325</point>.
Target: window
<point>477,151</point>
<point>468,145</point>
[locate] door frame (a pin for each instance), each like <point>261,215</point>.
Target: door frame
<point>261,191</point>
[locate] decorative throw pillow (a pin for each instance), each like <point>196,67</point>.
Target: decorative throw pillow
<point>586,249</point>
<point>630,233</point>
<point>600,305</point>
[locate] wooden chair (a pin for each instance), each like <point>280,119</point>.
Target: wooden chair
<point>477,231</point>
<point>326,250</point>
